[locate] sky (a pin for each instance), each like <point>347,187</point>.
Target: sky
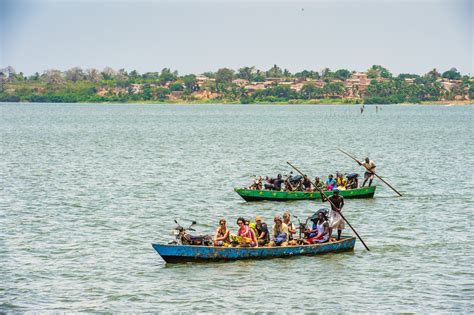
<point>405,36</point>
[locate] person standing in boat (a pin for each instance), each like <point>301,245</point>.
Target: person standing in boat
<point>337,222</point>
<point>369,171</point>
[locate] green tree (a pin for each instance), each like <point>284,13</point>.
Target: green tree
<point>309,91</point>
<point>327,74</point>
<point>259,76</point>
<point>167,76</point>
<point>246,73</point>
<point>403,76</point>
<point>433,75</point>
<point>108,73</point>
<point>378,71</point>
<point>287,73</point>
<point>452,74</point>
<point>162,93</point>
<point>224,76</point>
<point>176,87</point>
<point>209,74</point>
<point>305,74</point>
<point>147,92</point>
<point>190,83</point>
<point>334,89</point>
<point>342,74</point>
<point>274,72</point>
<point>134,74</point>
<point>34,77</point>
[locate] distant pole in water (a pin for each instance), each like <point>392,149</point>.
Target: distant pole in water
<point>376,108</point>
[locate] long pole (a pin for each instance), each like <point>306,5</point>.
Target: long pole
<point>360,163</point>
<point>333,206</point>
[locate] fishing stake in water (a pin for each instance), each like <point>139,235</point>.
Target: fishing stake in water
<point>360,163</point>
<point>332,205</point>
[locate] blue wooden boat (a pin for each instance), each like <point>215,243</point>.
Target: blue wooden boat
<point>187,253</point>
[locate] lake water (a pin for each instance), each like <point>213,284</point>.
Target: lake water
<point>86,189</point>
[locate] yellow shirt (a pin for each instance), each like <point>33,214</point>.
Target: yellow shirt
<point>283,229</point>
<point>341,181</point>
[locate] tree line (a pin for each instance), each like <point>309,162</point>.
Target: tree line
<point>79,85</point>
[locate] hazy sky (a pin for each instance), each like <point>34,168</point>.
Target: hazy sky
<point>197,36</point>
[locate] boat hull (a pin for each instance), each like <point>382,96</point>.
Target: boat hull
<point>186,253</point>
<point>259,195</point>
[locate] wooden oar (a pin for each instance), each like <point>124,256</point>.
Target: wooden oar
<point>360,163</point>
<point>332,205</point>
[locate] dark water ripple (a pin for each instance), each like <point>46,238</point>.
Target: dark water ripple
<point>86,189</point>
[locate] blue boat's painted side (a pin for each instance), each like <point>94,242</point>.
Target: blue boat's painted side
<point>183,253</point>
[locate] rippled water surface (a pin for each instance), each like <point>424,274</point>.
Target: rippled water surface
<point>86,189</point>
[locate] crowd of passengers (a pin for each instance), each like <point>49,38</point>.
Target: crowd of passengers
<point>303,183</point>
<point>255,234</point>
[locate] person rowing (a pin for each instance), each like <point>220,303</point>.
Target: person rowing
<point>337,222</point>
<point>370,170</point>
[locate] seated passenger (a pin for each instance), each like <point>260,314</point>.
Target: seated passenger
<point>306,183</point>
<point>280,233</point>
<point>320,231</point>
<point>319,184</point>
<point>245,236</point>
<point>253,228</point>
<point>341,182</point>
<point>263,236</point>
<point>222,236</point>
<point>274,183</point>
<point>291,228</point>
<point>352,181</point>
<point>257,183</point>
<point>287,184</point>
<point>331,183</point>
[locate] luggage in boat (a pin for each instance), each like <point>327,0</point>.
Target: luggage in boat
<point>294,180</point>
<point>352,175</point>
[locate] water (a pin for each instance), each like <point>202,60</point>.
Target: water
<point>86,189</point>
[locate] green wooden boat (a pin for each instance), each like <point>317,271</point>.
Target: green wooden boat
<point>258,195</point>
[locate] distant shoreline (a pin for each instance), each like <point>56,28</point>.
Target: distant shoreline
<point>457,103</point>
